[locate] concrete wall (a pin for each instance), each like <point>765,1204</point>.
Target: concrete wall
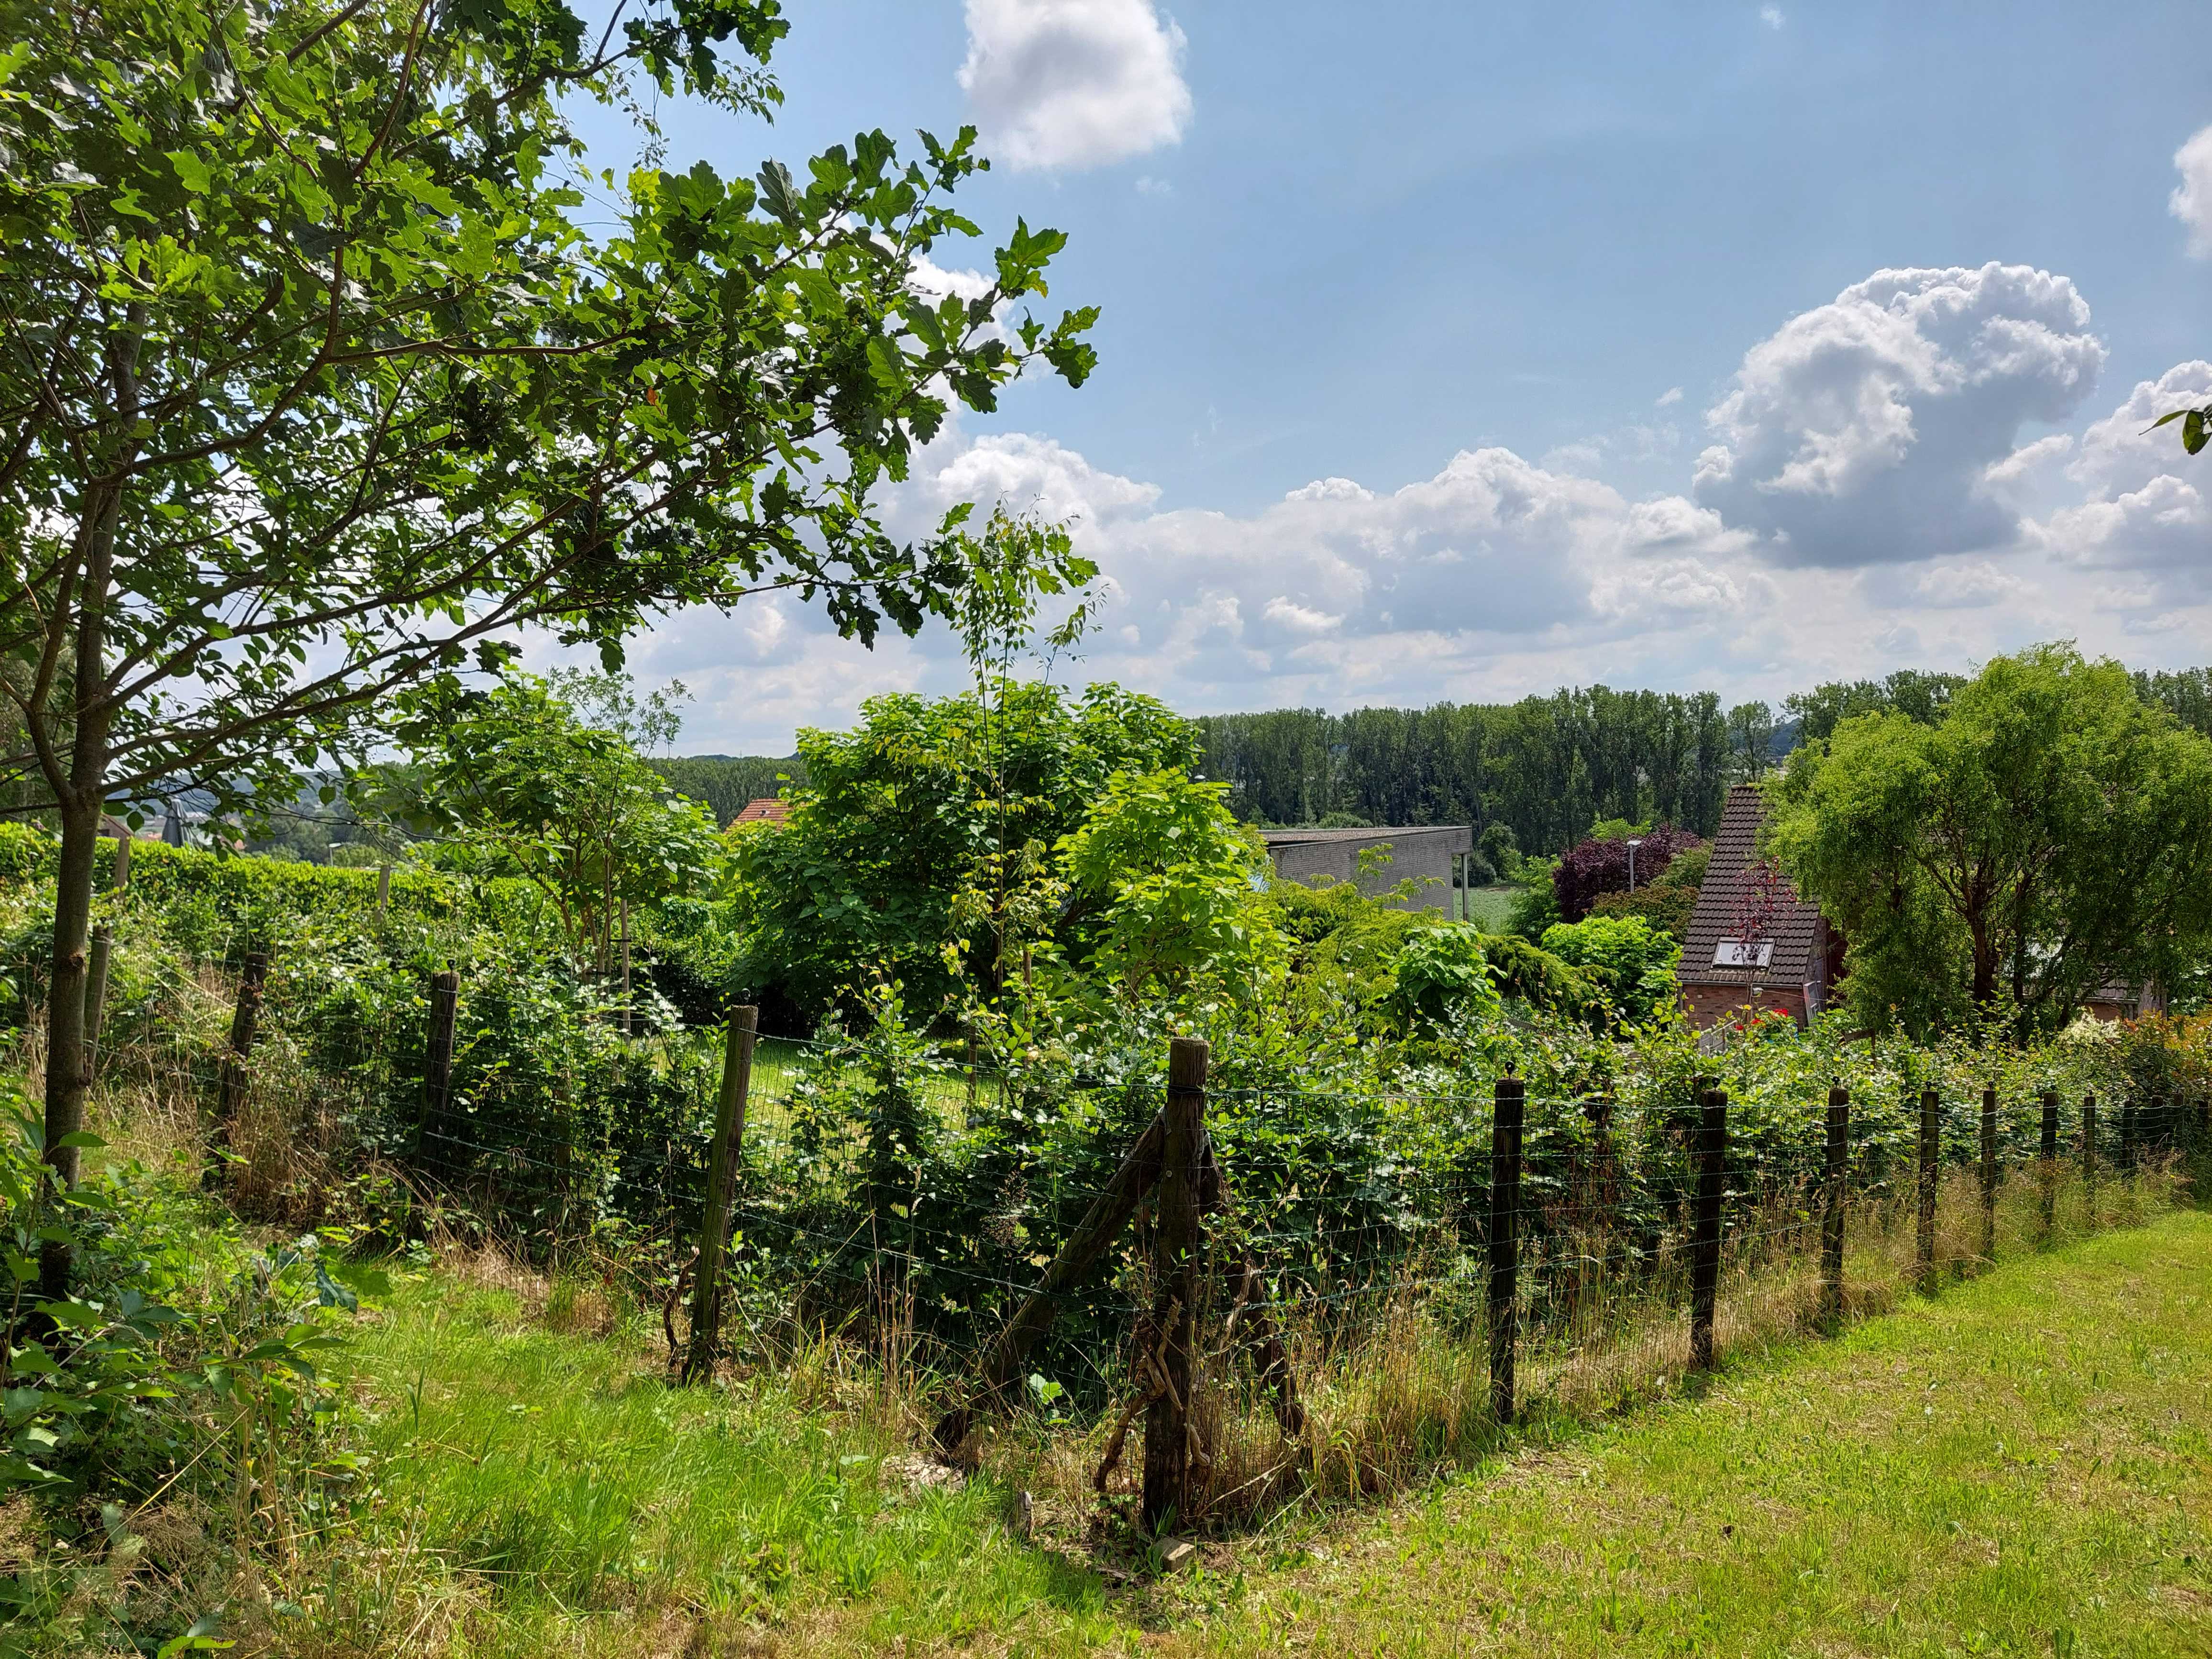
<point>1424,854</point>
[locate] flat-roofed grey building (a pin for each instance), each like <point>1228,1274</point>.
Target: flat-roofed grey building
<point>1430,853</point>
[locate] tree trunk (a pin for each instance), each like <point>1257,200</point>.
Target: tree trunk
<point>1985,983</point>
<point>65,1045</point>
<point>82,801</point>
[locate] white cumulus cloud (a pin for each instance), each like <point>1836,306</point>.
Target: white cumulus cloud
<point>2144,508</point>
<point>1864,431</point>
<point>1074,83</point>
<point>2191,201</point>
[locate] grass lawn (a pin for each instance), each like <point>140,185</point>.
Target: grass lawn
<point>1488,907</point>
<point>2018,1467</point>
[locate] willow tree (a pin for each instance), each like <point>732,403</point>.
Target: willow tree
<point>325,366</point>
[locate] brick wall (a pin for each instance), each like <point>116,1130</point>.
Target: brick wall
<point>1709,1005</point>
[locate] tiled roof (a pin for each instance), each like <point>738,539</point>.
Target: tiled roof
<point>773,810</point>
<point>1795,929</point>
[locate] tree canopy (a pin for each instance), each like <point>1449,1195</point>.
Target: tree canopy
<point>2051,832</point>
<point>326,365</point>
<point>890,863</point>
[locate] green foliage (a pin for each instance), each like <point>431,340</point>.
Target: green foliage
<point>1631,960</point>
<point>524,787</point>
<point>1343,945</point>
<point>1161,883</point>
<point>446,399</point>
<point>1918,696</point>
<point>1536,906</point>
<point>724,784</point>
<point>1443,976</point>
<point>1686,869</point>
<point>1497,848</point>
<point>1667,910</point>
<point>185,1365</point>
<point>1546,982</point>
<point>2193,429</point>
<point>2050,833</point>
<point>918,829</point>
<point>1543,768</point>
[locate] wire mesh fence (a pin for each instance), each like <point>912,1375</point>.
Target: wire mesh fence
<point>1332,1309</point>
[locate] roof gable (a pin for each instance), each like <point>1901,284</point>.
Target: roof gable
<point>1796,932</point>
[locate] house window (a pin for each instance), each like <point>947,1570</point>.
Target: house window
<point>1743,953</point>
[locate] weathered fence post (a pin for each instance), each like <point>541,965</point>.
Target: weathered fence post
<point>1705,1243</point>
<point>1989,1172</point>
<point>1831,1221</point>
<point>2089,1155</point>
<point>1509,1106</point>
<point>438,1062</point>
<point>231,1093</point>
<point>122,877</point>
<point>1176,1252</point>
<point>383,885</point>
<point>1930,1154</point>
<point>2049,1160</point>
<point>95,995</point>
<point>725,1156</point>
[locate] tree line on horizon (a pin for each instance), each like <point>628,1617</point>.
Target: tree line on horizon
<point>1546,766</point>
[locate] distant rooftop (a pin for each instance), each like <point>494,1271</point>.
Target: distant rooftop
<point>773,809</point>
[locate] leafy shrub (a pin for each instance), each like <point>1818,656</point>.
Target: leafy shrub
<point>1534,908</point>
<point>1669,909</point>
<point>1594,867</point>
<point>1634,963</point>
<point>1443,976</point>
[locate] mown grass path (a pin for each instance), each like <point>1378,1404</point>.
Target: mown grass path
<point>2020,1466</point>
<point>2023,1466</point>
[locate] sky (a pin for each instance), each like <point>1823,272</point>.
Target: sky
<point>1460,352</point>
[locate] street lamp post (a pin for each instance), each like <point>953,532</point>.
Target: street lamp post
<point>1633,843</point>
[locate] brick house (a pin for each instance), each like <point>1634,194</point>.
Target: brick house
<point>1790,968</point>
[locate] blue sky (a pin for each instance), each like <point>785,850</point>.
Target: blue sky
<point>1456,351</point>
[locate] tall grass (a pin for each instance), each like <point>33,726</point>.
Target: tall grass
<point>1400,1386</point>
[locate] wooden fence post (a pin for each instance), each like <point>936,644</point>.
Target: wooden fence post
<point>1509,1104</point>
<point>1989,1172</point>
<point>1177,1247</point>
<point>95,995</point>
<point>438,1063</point>
<point>1705,1241</point>
<point>1832,1223</point>
<point>725,1157</point>
<point>231,1094</point>
<point>383,886</point>
<point>121,878</point>
<point>1930,1156</point>
<point>2049,1160</point>
<point>2089,1155</point>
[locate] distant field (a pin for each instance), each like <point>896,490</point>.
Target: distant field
<point>1489,906</point>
